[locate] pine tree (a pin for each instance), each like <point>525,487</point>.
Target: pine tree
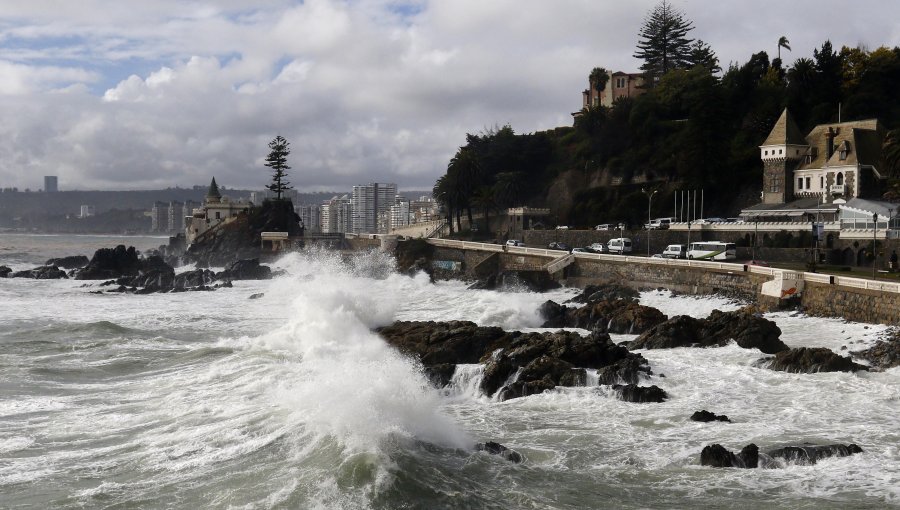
<point>279,148</point>
<point>702,55</point>
<point>663,44</point>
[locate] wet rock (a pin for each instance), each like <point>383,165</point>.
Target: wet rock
<point>4,271</point>
<point>613,316</point>
<point>605,292</point>
<point>435,343</point>
<point>441,374</point>
<point>40,273</point>
<point>70,262</point>
<point>628,370</point>
<point>747,330</point>
<point>498,449</point>
<point>257,295</point>
<point>553,313</point>
<point>640,394</point>
<point>247,269</point>
<point>194,278</point>
<point>706,417</point>
<point>884,354</point>
<point>810,454</point>
<point>716,455</point>
<point>111,263</point>
<point>809,360</point>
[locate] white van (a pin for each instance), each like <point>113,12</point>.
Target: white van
<point>658,224</point>
<point>619,245</point>
<point>675,251</point>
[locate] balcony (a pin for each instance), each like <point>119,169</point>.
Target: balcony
<point>837,189</point>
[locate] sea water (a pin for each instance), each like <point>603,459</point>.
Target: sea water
<point>211,399</point>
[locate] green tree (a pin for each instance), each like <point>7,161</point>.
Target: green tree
<point>279,149</point>
<point>783,43</point>
<point>598,78</point>
<point>485,198</point>
<point>468,172</point>
<point>702,55</point>
<point>663,42</point>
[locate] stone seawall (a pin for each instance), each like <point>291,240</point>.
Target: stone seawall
<point>853,304</point>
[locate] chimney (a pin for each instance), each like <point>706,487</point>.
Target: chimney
<point>829,145</point>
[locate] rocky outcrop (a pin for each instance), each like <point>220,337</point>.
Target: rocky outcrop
<point>640,394</point>
<point>4,271</point>
<point>516,364</point>
<point>612,316</point>
<point>247,269</point>
<point>605,292</point>
<point>706,417</point>
<point>191,279</point>
<point>40,273</point>
<point>884,354</point>
<point>414,255</point>
<point>111,263</point>
<point>716,455</point>
<point>809,360</point>
<point>70,262</point>
<point>747,330</point>
<point>498,449</point>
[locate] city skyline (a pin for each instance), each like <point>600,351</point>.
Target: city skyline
<point>168,94</point>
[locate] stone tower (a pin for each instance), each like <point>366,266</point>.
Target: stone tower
<point>781,152</point>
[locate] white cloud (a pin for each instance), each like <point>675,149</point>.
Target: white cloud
<point>363,89</point>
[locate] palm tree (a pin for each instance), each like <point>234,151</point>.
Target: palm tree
<point>783,43</point>
<point>485,198</point>
<point>509,188</point>
<point>441,193</point>
<point>892,152</point>
<point>468,173</point>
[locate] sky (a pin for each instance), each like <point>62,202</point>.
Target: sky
<point>111,94</point>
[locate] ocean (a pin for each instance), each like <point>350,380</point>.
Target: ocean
<point>215,400</point>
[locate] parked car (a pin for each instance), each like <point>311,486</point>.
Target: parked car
<point>619,245</point>
<point>675,251</point>
<point>707,221</point>
<point>605,226</point>
<point>657,256</point>
<point>514,242</point>
<point>658,224</point>
<point>582,250</point>
<point>733,220</point>
<point>562,227</point>
<point>599,248</point>
<point>559,246</point>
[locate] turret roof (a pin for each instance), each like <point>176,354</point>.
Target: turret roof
<point>213,190</point>
<point>785,132</point>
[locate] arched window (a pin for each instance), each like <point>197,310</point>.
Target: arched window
<point>840,178</point>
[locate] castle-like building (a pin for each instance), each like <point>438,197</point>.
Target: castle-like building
<point>816,173</point>
<point>216,209</point>
<point>618,85</point>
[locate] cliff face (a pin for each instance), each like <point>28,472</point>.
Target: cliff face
<point>240,239</point>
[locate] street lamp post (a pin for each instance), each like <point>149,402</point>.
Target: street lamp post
<point>649,202</point>
<point>874,237</point>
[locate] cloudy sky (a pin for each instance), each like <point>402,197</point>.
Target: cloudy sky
<point>112,94</point>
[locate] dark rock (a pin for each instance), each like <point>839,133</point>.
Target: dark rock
<point>257,295</point>
<point>517,363</point>
<point>498,449</point>
<point>640,394</point>
<point>810,454</point>
<point>248,269</point>
<point>4,271</point>
<point>40,273</point>
<point>884,354</point>
<point>70,262</point>
<point>810,360</point>
<point>619,316</point>
<point>605,292</point>
<point>194,278</point>
<point>716,455</point>
<point>628,370</point>
<point>747,330</point>
<point>553,313</point>
<point>110,263</point>
<point>706,417</point>
<point>531,281</point>
<point>440,375</point>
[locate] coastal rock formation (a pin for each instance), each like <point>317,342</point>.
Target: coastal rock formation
<point>706,417</point>
<point>884,354</point>
<point>747,330</point>
<point>40,273</point>
<point>640,394</point>
<point>4,271</point>
<point>809,360</point>
<point>70,262</point>
<point>414,255</point>
<point>498,449</point>
<point>195,278</point>
<point>109,263</point>
<point>246,269</point>
<point>716,455</point>
<point>516,364</point>
<point>605,292</point>
<point>613,316</point>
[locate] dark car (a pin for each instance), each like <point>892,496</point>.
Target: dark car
<point>559,246</point>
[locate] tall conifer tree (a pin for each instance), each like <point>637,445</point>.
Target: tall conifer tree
<point>663,42</point>
<point>279,149</point>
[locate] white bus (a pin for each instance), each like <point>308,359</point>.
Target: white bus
<point>712,250</point>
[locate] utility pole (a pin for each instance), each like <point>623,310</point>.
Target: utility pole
<point>649,202</point>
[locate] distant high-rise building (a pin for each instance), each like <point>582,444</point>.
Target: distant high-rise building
<point>370,203</point>
<point>159,217</point>
<point>51,184</point>
<point>311,216</point>
<point>175,221</point>
<point>399,213</point>
<point>336,215</point>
